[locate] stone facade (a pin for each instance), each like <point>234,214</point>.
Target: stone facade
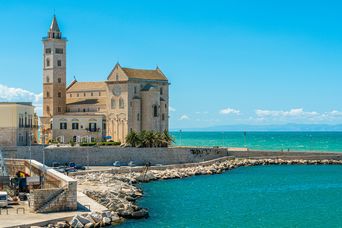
<point>129,100</point>
<point>18,123</point>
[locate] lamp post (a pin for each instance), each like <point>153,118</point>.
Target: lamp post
<point>180,137</point>
<point>30,140</point>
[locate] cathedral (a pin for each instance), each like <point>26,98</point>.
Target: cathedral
<point>128,100</point>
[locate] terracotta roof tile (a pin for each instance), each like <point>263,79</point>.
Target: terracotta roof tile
<point>144,74</point>
<point>86,86</point>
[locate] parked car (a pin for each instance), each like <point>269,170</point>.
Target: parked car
<point>78,167</point>
<point>119,164</point>
<point>3,199</point>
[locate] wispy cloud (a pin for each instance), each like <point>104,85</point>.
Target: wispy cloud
<point>171,109</point>
<point>10,94</point>
<point>184,117</point>
<point>228,111</point>
<point>296,112</point>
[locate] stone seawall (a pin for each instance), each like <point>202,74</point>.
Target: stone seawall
<point>105,156</point>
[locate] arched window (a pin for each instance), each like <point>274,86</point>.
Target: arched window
<point>113,103</point>
<point>155,111</point>
<point>47,108</point>
<point>47,94</point>
<point>47,79</point>
<point>47,62</point>
<point>121,103</point>
<point>59,94</point>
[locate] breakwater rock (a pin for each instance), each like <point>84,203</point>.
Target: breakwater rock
<point>118,192</point>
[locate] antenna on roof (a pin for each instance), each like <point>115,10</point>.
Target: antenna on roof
<point>75,78</point>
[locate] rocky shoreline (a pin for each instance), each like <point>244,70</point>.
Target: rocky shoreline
<point>119,192</point>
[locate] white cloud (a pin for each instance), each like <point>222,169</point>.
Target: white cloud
<point>335,113</point>
<point>184,117</point>
<point>228,111</point>
<point>171,109</point>
<point>296,112</point>
<point>21,95</point>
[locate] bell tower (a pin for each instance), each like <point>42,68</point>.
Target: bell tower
<point>54,72</point>
<point>54,77</point>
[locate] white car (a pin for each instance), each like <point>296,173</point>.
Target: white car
<point>3,199</point>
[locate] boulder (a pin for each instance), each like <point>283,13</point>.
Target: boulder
<point>142,213</point>
<point>89,225</point>
<point>106,220</point>
<point>97,217</point>
<point>82,219</point>
<point>61,225</point>
<point>106,213</point>
<point>74,221</point>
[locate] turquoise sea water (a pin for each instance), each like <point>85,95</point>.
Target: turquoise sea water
<point>261,196</point>
<point>300,141</point>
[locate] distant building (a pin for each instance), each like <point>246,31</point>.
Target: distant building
<point>18,124</point>
<point>129,100</point>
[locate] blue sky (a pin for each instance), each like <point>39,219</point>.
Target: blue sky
<point>229,62</point>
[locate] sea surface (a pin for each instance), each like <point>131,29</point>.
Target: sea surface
<point>260,196</point>
<point>299,141</point>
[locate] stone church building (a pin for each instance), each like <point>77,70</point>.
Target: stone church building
<point>128,100</point>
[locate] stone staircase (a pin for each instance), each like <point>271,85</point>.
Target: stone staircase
<point>53,201</point>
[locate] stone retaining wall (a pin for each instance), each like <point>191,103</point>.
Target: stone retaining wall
<point>106,156</point>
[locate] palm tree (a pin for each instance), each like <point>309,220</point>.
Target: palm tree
<point>166,138</point>
<point>133,138</point>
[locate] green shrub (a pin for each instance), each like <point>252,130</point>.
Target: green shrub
<point>88,144</point>
<point>109,143</point>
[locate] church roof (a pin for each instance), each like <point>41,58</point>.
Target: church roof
<point>54,25</point>
<point>144,74</point>
<point>76,86</point>
<point>85,101</point>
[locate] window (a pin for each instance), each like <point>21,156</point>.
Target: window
<point>84,110</point>
<point>161,90</point>
<point>84,94</point>
<point>113,104</point>
<point>47,94</point>
<point>59,63</point>
<point>63,125</point>
<point>30,121</point>
<point>59,50</point>
<point>138,117</point>
<point>92,127</point>
<point>117,77</point>
<point>135,89</point>
<point>48,51</point>
<point>165,106</point>
<point>59,80</point>
<point>78,95</point>
<point>74,126</point>
<point>163,116</point>
<point>47,79</point>
<point>47,62</point>
<point>121,103</point>
<point>70,94</point>
<point>59,94</point>
<point>21,121</point>
<point>91,94</point>
<point>99,93</point>
<point>155,111</point>
<point>59,109</point>
<point>47,108</point>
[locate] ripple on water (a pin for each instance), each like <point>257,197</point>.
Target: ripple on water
<point>261,196</point>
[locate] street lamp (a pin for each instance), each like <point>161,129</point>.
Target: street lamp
<point>30,140</point>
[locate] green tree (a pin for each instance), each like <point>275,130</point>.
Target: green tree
<point>133,138</point>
